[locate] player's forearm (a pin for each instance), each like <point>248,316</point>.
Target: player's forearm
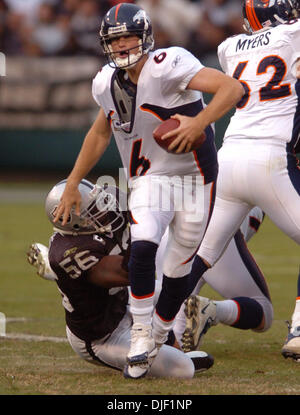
<point>92,150</point>
<point>226,97</point>
<point>94,145</point>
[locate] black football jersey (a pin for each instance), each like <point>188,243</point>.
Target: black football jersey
<point>92,312</point>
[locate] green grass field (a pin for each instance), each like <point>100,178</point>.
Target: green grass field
<point>246,363</point>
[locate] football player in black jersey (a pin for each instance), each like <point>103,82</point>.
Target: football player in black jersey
<point>88,260</point>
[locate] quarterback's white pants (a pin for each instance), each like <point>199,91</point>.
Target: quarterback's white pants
<point>169,362</point>
<point>251,173</point>
<point>183,204</point>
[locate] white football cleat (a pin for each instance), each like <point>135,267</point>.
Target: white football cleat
<point>38,257</point>
<point>291,347</point>
<point>201,314</point>
<point>142,352</point>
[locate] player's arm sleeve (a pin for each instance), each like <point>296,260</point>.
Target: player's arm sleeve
<point>180,68</point>
<point>95,92</point>
<point>99,85</point>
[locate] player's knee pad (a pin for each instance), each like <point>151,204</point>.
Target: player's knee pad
<point>250,313</point>
<point>268,314</point>
<point>179,257</point>
<point>188,234</point>
<point>148,226</point>
<point>176,266</point>
<point>145,231</point>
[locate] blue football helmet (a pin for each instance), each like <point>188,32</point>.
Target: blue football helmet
<point>126,19</point>
<point>260,14</point>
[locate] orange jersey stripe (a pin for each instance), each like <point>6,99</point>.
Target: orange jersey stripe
<point>132,218</point>
<point>151,112</point>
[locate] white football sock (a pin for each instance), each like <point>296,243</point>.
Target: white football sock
<point>141,309</point>
<point>296,314</point>
<point>227,311</point>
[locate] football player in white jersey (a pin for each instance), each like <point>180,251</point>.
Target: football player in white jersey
<point>136,91</point>
<point>257,161</point>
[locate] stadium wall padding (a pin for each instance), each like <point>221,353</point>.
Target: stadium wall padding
<point>48,150</point>
<point>44,150</point>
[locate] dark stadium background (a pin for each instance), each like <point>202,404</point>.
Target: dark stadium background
<point>52,53</point>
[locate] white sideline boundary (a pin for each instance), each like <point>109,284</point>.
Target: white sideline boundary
<point>29,337</point>
<point>17,319</point>
<point>33,337</point>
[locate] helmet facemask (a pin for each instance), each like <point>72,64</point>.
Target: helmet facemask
<point>103,212</point>
<point>114,58</point>
<point>100,210</point>
<point>126,20</point>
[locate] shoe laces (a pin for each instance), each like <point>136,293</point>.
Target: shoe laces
<point>140,336</point>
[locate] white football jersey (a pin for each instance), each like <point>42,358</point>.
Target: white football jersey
<point>265,64</point>
<point>160,93</point>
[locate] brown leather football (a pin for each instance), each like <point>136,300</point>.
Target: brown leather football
<point>169,125</point>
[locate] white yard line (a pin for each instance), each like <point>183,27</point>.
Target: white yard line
<point>22,195</point>
<point>33,337</point>
<point>17,319</point>
<point>29,337</point>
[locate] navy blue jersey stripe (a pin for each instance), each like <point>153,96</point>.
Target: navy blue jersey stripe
<point>250,264</point>
<point>254,223</point>
<point>207,157</point>
<point>191,109</point>
<point>293,167</point>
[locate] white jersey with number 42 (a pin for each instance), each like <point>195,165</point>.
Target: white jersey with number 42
<point>265,64</point>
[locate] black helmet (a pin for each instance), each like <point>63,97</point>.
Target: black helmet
<point>259,14</point>
<point>123,20</point>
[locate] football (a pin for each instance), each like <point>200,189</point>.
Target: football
<point>169,125</point>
